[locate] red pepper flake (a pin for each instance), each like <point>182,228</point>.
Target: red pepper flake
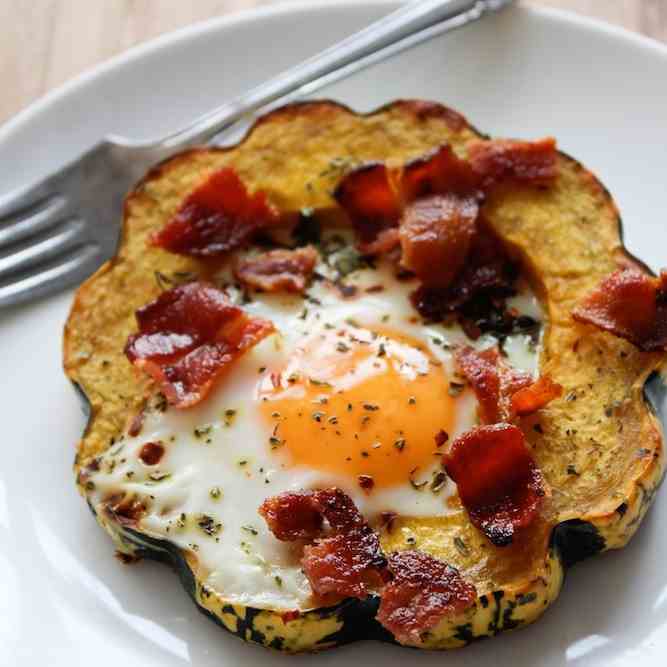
<point>151,453</point>
<point>535,396</point>
<point>278,270</point>
<point>498,481</point>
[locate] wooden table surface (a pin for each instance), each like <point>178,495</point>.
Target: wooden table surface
<point>46,42</point>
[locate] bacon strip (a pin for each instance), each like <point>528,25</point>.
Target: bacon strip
<point>416,590</point>
<point>630,305</point>
<point>535,396</point>
<point>373,197</point>
<point>344,563</point>
<point>188,336</point>
<point>372,204</point>
<point>434,205</point>
<point>278,270</point>
<point>498,482</point>
<point>293,516</point>
<point>439,172</point>
<point>503,392</point>
<point>423,591</point>
<point>532,162</point>
<point>492,380</point>
<point>219,216</point>
<point>486,279</point>
<point>436,233</point>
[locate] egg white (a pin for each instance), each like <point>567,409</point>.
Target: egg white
<point>218,463</point>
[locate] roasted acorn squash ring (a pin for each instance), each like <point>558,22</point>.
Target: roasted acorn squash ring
<point>599,445</point>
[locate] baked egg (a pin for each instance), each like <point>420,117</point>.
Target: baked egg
<point>353,390</point>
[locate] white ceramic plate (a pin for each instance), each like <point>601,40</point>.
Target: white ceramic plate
<point>64,599</point>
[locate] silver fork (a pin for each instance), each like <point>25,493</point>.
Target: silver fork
<point>57,232</point>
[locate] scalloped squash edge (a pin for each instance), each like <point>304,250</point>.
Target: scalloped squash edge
<point>600,445</point>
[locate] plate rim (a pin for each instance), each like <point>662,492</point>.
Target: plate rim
<point>198,28</point>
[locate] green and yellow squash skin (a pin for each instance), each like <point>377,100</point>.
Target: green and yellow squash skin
<point>600,446</point>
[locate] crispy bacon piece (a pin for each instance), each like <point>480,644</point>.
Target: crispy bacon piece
<point>533,162</point>
<point>498,482</point>
<point>374,196</point>
<point>188,336</point>
<point>631,305</point>
<point>219,216</point>
<point>422,592</point>
<point>345,562</point>
<point>436,233</point>
<point>372,204</point>
<point>487,277</point>
<point>439,172</point>
<point>351,559</point>
<point>292,516</point>
<point>535,396</point>
<point>344,558</point>
<point>492,380</point>
<point>278,270</point>
<point>502,391</point>
<point>338,509</point>
<point>489,271</point>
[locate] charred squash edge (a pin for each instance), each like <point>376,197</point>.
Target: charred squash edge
<point>351,620</point>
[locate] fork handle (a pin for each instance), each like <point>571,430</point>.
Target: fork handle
<point>413,20</point>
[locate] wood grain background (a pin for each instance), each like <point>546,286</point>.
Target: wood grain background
<point>45,42</point>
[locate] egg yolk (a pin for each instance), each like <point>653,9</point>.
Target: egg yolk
<point>359,403</point>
